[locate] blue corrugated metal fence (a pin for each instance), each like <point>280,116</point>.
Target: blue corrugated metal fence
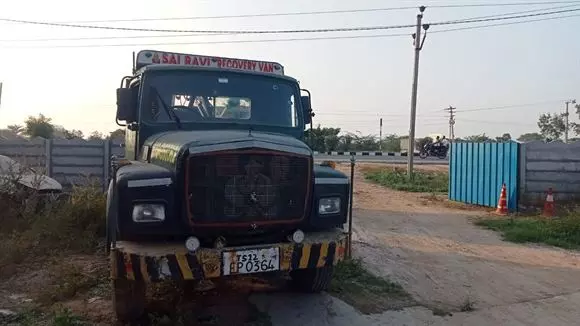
<point>478,170</point>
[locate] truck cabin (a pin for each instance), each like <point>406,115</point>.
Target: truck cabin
<point>173,91</point>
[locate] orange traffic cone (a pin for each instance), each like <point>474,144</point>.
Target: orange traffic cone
<point>549,204</point>
<point>502,202</point>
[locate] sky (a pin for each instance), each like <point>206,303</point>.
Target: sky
<point>533,67</point>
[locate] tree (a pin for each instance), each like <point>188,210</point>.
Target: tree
<point>504,137</point>
<point>532,136</point>
<point>477,138</point>
<point>16,129</point>
<point>39,126</point>
<point>322,139</point>
<point>70,134</point>
<point>391,143</point>
<point>73,134</point>
<point>119,133</point>
<point>552,125</point>
<point>421,142</point>
<point>95,135</point>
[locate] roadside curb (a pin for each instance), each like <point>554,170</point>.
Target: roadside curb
<point>365,153</point>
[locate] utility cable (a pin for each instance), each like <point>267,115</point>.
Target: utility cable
<point>284,39</point>
<point>288,31</point>
<point>216,34</point>
<point>321,12</point>
<point>510,106</point>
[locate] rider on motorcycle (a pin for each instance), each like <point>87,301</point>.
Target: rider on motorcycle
<point>437,142</point>
<point>437,148</point>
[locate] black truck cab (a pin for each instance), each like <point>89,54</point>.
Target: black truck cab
<point>215,150</point>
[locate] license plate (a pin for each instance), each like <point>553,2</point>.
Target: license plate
<point>251,261</point>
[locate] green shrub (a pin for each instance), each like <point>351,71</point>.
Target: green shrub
<point>562,232</point>
<point>73,224</point>
<point>422,181</point>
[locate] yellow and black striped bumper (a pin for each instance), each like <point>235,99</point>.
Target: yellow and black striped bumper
<point>156,263</point>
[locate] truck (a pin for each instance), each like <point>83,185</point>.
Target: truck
<point>217,179</point>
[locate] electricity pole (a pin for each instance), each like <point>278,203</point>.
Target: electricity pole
<point>418,43</point>
<point>567,120</point>
<point>451,111</point>
<point>381,135</point>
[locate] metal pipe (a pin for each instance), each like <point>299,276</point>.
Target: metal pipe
<point>352,164</point>
<point>112,228</point>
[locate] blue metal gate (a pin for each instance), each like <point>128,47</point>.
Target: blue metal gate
<point>478,170</point>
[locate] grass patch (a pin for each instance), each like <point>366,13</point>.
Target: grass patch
<point>59,317</point>
<point>353,284</point>
<point>64,317</point>
<point>562,232</point>
<point>72,225</point>
<point>423,181</point>
<point>68,280</point>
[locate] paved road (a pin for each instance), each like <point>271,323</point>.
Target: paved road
<point>380,159</point>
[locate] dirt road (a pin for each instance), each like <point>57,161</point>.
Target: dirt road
<point>448,265</point>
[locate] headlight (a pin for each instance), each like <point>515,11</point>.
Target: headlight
<point>148,213</point>
<point>329,205</point>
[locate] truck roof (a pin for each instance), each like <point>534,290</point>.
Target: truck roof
<point>151,58</point>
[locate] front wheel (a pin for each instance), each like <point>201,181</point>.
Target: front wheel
<point>423,154</point>
<point>312,280</point>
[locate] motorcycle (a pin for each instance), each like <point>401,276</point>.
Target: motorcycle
<point>431,150</point>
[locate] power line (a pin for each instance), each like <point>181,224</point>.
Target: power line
<point>498,122</point>
<point>213,42</point>
<point>210,32</point>
<point>288,39</point>
<point>489,19</point>
<point>216,34</point>
<point>322,12</point>
<point>369,113</point>
<point>504,24</point>
<point>300,13</point>
<point>507,4</point>
<point>510,106</point>
<point>287,31</point>
<point>517,12</point>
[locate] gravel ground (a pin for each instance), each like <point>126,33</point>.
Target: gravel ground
<point>459,274</point>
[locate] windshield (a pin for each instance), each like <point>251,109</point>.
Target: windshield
<point>214,97</point>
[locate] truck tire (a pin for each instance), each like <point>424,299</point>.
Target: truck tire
<point>312,280</point>
<point>128,299</point>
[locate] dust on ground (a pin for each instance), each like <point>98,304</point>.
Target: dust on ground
<point>453,267</point>
<point>38,290</point>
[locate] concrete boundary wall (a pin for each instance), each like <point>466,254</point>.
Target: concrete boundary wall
<point>70,162</point>
<point>549,165</point>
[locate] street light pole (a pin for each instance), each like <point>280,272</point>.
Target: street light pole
<point>418,42</point>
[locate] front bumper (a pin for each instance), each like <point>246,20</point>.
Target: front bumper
<point>157,262</point>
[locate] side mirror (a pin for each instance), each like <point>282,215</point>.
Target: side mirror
<point>125,105</point>
<point>307,109</point>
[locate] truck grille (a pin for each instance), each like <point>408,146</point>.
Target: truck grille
<point>247,187</point>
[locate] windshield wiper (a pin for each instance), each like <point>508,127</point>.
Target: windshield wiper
<point>169,112</point>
